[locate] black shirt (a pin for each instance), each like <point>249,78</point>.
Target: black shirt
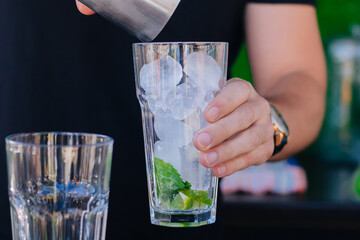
<point>62,71</point>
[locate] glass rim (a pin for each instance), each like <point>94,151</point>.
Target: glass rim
<point>108,140</point>
<point>200,43</point>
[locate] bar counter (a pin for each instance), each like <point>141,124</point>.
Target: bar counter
<point>330,209</point>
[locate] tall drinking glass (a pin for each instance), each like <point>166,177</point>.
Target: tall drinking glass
<point>58,185</point>
<point>175,82</point>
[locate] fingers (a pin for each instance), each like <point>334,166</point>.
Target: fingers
<point>242,143</point>
<point>256,157</point>
<point>237,91</point>
<point>240,119</point>
<point>84,9</point>
<point>240,133</point>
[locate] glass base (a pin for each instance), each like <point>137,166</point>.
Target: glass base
<point>183,219</point>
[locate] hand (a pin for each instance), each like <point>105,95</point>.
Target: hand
<point>241,131</point>
<point>84,9</point>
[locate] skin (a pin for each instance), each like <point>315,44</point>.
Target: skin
<point>289,71</point>
<point>84,9</point>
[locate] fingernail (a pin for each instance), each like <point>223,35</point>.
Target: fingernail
<point>221,170</point>
<point>213,113</point>
<point>210,158</point>
<point>84,9</point>
<point>203,140</point>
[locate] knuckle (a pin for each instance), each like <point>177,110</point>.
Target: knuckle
<point>227,150</point>
<point>248,113</point>
<point>202,160</point>
<point>247,84</point>
<point>266,153</point>
<point>229,170</point>
<point>220,131</point>
<point>223,128</point>
<point>265,106</point>
<point>234,81</point>
<point>247,87</point>
<point>255,140</point>
<point>270,129</point>
<point>243,86</point>
<point>241,119</point>
<point>226,99</point>
<point>269,149</point>
<point>247,160</point>
<point>223,100</point>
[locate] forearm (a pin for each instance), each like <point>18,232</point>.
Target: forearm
<point>300,98</point>
<point>288,66</point>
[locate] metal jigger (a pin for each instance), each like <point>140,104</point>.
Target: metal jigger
<point>143,18</point>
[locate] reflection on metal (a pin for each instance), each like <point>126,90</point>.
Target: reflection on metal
<point>143,18</point>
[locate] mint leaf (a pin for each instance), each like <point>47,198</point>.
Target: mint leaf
<point>168,180</point>
<point>169,184</point>
<point>187,185</point>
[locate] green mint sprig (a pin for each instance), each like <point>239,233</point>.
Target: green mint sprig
<point>169,184</point>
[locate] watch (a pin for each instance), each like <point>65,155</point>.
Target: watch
<point>281,130</point>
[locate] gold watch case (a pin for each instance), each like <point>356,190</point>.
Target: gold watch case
<point>281,130</point>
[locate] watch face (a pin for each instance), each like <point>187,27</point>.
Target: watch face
<point>278,121</point>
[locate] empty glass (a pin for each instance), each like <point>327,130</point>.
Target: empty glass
<point>58,185</point>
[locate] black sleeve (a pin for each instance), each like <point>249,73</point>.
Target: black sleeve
<point>311,2</point>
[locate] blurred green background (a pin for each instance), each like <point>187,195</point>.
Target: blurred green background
<point>328,179</point>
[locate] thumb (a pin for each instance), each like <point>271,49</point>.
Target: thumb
<point>84,9</point>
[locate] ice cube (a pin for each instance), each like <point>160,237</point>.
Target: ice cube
<point>156,105</point>
<point>173,131</point>
<point>160,76</point>
<point>196,120</point>
<point>189,153</point>
<point>209,96</point>
<point>159,112</point>
<point>196,174</point>
<point>203,71</point>
<point>193,120</point>
<point>200,92</point>
<point>168,152</point>
<point>184,100</point>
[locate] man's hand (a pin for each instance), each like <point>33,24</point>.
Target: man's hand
<point>289,71</point>
<point>241,132</point>
<point>84,9</point>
